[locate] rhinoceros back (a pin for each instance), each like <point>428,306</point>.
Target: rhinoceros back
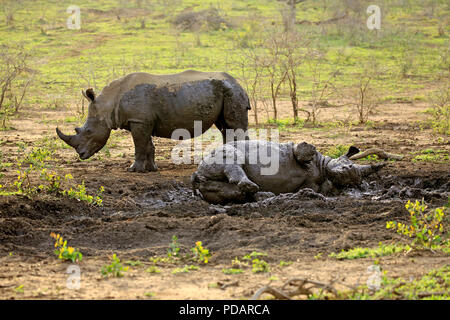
<point>171,89</point>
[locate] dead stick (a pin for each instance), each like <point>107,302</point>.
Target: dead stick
<point>380,153</point>
<point>275,292</point>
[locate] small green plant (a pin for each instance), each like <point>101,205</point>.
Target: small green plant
<point>80,194</point>
<point>174,248</point>
<point>162,260</point>
<point>38,157</point>
<point>132,263</point>
<point>253,255</point>
<point>23,182</point>
<point>153,269</point>
<point>318,256</point>
<point>259,266</point>
<point>200,254</point>
<point>427,227</point>
<point>285,263</point>
<point>232,271</point>
<point>115,268</point>
<point>53,181</point>
<point>185,269</point>
<point>238,263</point>
<point>63,251</point>
<point>19,289</point>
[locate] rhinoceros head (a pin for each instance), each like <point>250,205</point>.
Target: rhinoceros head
<point>92,136</point>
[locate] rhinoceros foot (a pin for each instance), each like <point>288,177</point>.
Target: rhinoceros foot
<point>247,186</point>
<point>218,192</point>
<point>142,166</point>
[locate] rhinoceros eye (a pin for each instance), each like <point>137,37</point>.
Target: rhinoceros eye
<point>88,131</point>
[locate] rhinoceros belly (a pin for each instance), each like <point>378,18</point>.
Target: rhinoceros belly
<point>191,107</point>
<point>168,107</point>
<point>272,166</point>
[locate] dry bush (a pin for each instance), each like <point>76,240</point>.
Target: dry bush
<point>9,8</point>
<point>272,64</point>
<point>209,19</point>
<point>365,94</point>
<point>323,84</point>
<point>292,52</point>
<point>15,79</point>
<point>250,66</point>
<point>440,106</point>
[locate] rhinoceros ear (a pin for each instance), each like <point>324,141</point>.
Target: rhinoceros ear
<point>352,151</point>
<point>89,94</point>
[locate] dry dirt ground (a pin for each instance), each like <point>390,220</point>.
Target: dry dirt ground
<point>142,212</point>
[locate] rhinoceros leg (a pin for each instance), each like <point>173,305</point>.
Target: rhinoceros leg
<point>236,175</point>
<point>230,132</point>
<point>144,149</point>
<point>214,190</point>
<point>219,192</point>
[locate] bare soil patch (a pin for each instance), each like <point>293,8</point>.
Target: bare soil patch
<point>142,212</point>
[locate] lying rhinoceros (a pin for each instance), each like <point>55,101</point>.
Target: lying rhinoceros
<point>156,105</point>
<point>235,171</point>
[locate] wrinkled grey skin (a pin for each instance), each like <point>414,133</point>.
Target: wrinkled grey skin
<point>300,166</point>
<point>156,105</point>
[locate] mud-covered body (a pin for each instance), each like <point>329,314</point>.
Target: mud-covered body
<point>242,174</point>
<point>157,105</point>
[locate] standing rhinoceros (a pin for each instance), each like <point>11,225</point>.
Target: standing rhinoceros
<point>156,105</point>
<point>235,171</point>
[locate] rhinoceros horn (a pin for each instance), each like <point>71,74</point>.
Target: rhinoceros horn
<point>70,140</point>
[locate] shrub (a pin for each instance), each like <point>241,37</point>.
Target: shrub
<point>200,254</point>
<point>115,269</point>
<point>427,228</point>
<point>440,108</point>
<point>63,251</point>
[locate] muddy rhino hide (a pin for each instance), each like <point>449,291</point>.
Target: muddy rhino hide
<point>300,167</point>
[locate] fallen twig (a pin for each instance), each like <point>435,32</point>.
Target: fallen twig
<point>223,286</point>
<point>301,288</point>
<point>275,292</point>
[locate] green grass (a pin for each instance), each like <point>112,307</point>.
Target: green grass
<point>432,286</point>
<point>285,263</point>
<point>431,155</point>
<point>358,252</point>
<point>232,271</point>
<point>153,269</point>
<point>336,151</point>
<point>185,269</point>
<point>106,47</point>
